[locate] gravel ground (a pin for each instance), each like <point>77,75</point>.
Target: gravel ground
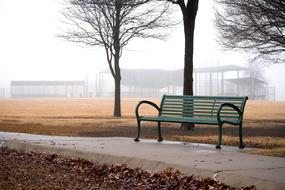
<point>50,171</point>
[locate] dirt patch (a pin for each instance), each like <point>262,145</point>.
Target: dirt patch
<point>9,120</point>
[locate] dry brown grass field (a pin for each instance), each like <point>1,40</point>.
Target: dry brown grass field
<point>264,122</point>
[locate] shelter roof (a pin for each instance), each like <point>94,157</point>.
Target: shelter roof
<point>216,69</point>
<point>246,80</point>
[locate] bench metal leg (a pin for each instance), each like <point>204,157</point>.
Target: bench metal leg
<point>220,136</point>
<point>159,132</point>
<point>138,131</point>
<point>241,145</point>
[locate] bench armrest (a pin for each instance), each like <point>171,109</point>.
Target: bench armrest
<point>145,102</point>
<point>232,106</point>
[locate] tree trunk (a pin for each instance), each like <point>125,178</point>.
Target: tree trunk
<point>189,26</point>
<point>117,79</point>
<point>188,56</point>
<point>117,99</point>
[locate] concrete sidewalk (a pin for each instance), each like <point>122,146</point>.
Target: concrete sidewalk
<point>227,165</point>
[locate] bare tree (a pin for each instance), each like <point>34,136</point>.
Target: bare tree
<point>189,10</point>
<point>112,24</point>
<point>256,26</point>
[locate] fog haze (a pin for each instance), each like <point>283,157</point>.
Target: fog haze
<point>30,50</point>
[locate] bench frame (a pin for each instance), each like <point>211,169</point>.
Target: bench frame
<point>220,121</point>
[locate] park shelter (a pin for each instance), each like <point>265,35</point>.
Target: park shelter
<point>252,87</point>
<point>207,81</point>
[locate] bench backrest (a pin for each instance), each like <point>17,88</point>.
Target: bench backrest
<point>200,106</point>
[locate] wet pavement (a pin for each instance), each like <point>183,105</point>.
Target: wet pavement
<point>228,165</point>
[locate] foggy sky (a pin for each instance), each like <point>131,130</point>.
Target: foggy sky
<point>30,50</point>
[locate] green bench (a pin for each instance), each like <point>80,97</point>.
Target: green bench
<point>211,110</point>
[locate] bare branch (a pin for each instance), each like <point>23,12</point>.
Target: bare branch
<point>256,26</point>
<point>113,23</point>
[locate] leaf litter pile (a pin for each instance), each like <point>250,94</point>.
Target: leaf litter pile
<point>49,171</point>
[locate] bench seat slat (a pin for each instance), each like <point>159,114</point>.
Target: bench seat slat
<point>229,112</point>
<point>188,102</point>
<point>197,108</point>
<point>204,97</point>
<point>211,121</point>
<point>216,104</point>
<point>201,102</point>
<point>181,119</point>
<point>199,115</point>
<point>187,115</point>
